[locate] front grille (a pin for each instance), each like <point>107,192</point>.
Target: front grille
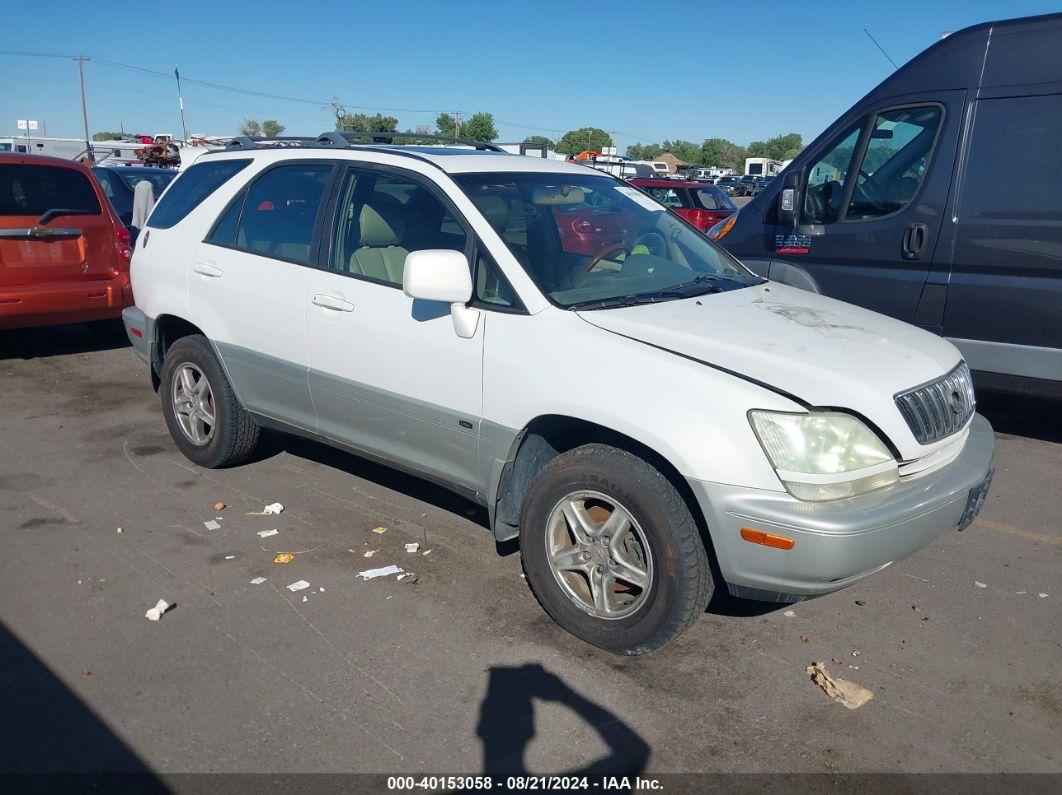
<point>939,408</point>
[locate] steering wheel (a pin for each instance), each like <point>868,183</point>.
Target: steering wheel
<point>871,190</point>
<point>608,249</point>
<point>653,241</point>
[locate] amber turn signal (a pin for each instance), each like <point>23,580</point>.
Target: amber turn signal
<point>767,539</point>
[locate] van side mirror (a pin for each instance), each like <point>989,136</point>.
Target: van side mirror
<point>789,201</point>
<point>438,274</point>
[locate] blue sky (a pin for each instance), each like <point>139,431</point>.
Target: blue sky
<point>642,70</point>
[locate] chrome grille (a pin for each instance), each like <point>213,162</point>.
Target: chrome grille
<point>939,408</point>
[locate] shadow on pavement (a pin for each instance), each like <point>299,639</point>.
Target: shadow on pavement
<point>48,733</point>
<point>43,341</point>
<point>1021,415</point>
<point>507,724</point>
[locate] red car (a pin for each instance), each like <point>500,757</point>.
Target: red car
<point>64,254</point>
<point>701,204</point>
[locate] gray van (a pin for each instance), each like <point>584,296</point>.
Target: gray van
<point>904,205</point>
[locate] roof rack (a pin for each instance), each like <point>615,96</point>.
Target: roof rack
<point>344,138</point>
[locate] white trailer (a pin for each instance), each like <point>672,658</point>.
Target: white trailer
<point>762,167</point>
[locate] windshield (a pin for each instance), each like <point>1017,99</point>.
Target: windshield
<point>588,239</point>
<point>158,178</point>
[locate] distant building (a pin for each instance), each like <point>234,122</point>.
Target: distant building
<point>673,163</point>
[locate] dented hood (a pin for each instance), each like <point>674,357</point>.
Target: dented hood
<point>825,352</point>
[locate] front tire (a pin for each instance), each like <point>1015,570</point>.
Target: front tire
<point>612,552</point>
<point>202,413</point>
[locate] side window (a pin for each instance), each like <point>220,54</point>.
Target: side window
<point>280,211</point>
<point>105,182</point>
<point>896,158</point>
<point>668,197</point>
<point>383,217</point>
<point>224,231</point>
<point>1002,127</point>
<point>190,188</point>
<point>492,288</point>
<point>824,191</point>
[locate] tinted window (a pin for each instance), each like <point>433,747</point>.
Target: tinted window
<point>159,178</point>
<point>194,185</point>
<point>33,190</point>
<point>104,178</point>
<point>824,191</point>
<point>713,199</point>
<point>381,218</point>
<point>224,232</point>
<point>895,161</point>
<point>669,197</point>
<point>280,211</point>
<point>1031,126</point>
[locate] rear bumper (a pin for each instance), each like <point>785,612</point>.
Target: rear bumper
<point>838,543</point>
<point>64,302</point>
<point>141,331</point>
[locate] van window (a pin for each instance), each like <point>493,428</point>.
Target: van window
<point>895,161</point>
<point>824,192</point>
<point>1031,126</point>
<point>280,211</point>
<point>381,218</point>
<point>191,188</point>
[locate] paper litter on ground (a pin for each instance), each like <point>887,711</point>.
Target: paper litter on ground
<point>298,585</point>
<point>284,557</point>
<point>258,580</point>
<point>412,547</point>
<point>379,530</point>
<point>270,510</point>
<point>789,614</point>
<point>230,557</point>
<point>155,613</point>
<point>848,693</point>
<point>212,525</point>
<point>980,584</point>
<point>267,533</point>
<point>385,571</point>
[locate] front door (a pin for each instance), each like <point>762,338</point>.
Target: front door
<point>873,200</point>
<point>389,375</point>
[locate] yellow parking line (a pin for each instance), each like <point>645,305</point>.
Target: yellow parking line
<point>1017,531</point>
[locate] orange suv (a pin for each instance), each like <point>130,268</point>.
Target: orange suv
<point>64,254</point>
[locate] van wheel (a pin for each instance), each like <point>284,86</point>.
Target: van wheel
<point>612,552</point>
<point>205,419</point>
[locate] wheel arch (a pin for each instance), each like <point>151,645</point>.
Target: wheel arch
<point>167,330</point>
<point>546,437</point>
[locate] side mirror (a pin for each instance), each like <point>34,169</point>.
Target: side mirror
<point>789,201</point>
<point>437,274</point>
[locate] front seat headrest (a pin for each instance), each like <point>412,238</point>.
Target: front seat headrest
<point>495,209</point>
<point>377,230</point>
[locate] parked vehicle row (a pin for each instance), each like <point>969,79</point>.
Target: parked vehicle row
<point>552,343</point>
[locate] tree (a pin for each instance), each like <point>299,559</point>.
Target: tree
<point>477,127</point>
<point>272,128</point>
<point>107,136</point>
<point>781,147</point>
<point>540,140</point>
<point>250,127</point>
<point>362,122</point>
<point>585,138</point>
<point>721,152</point>
<point>644,151</point>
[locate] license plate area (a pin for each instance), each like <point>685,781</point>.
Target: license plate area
<point>975,500</point>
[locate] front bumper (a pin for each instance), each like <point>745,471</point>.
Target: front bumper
<point>76,301</point>
<point>838,543</point>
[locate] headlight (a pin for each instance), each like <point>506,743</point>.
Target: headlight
<point>824,455</point>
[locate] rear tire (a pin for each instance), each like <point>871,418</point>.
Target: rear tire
<point>202,412</point>
<point>655,583</point>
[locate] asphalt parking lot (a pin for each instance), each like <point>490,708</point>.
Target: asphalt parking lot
<point>461,671</point>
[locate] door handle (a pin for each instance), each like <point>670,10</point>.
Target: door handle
<point>914,240</point>
<point>332,302</point>
<point>205,269</point>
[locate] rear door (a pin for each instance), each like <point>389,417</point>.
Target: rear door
<point>873,200</point>
<point>38,246</point>
<point>1004,303</point>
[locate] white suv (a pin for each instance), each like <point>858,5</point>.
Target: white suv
<point>649,417</point>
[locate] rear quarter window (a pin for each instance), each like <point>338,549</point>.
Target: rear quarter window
<point>191,188</point>
<point>34,190</point>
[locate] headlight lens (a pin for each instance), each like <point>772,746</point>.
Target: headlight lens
<point>824,455</point>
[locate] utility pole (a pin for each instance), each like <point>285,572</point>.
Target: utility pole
<point>84,106</point>
<point>180,101</point>
<point>457,124</point>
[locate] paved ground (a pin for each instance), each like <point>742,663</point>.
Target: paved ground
<point>461,671</point>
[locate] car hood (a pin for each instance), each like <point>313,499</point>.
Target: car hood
<point>823,352</point>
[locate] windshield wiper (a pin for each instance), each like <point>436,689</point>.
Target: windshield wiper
<point>634,299</point>
<point>55,213</point>
<point>704,278</point>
